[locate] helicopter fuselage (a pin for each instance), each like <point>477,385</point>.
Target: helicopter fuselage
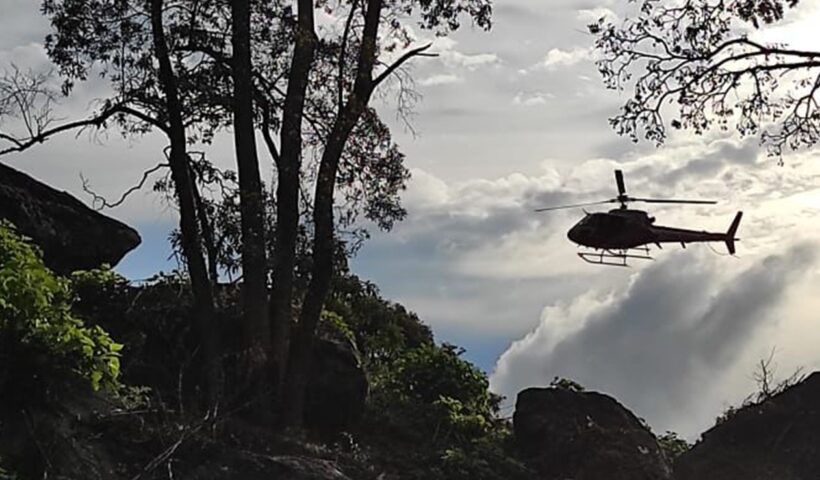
<point>623,229</point>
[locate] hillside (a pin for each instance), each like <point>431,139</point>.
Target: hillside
<point>384,400</point>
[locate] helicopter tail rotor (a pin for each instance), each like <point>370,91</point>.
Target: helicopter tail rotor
<point>730,234</point>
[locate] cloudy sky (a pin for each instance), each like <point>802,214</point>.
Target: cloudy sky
<point>516,119</point>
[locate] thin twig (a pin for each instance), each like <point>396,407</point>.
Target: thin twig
<point>416,52</point>
<point>99,202</point>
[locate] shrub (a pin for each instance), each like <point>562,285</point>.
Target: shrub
<point>768,386</point>
<point>439,402</point>
<point>431,393</point>
<point>672,445</point>
<point>42,344</point>
<point>429,373</point>
<point>382,330</point>
<point>485,458</point>
<point>566,384</point>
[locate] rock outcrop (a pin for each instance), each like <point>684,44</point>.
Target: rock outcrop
<point>71,235</point>
<point>232,464</point>
<point>337,388</point>
<point>778,439</point>
<point>306,468</point>
<point>566,434</point>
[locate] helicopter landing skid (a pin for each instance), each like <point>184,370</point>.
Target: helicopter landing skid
<point>616,258</point>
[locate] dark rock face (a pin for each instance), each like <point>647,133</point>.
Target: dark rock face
<point>565,434</point>
<point>778,439</point>
<point>306,468</point>
<point>71,235</point>
<point>45,440</point>
<point>337,388</point>
<point>234,464</point>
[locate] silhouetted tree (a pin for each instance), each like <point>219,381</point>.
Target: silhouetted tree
<point>261,65</point>
<point>252,202</point>
<point>132,43</point>
<point>363,79</point>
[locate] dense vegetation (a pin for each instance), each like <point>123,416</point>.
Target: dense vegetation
<point>428,412</point>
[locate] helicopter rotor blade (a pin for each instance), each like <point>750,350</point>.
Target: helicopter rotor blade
<point>576,205</point>
<point>671,200</point>
<point>619,179</point>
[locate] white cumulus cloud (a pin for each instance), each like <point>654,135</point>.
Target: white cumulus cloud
<point>532,99</point>
<point>557,57</point>
<point>665,343</point>
<point>445,48</point>
<point>441,79</point>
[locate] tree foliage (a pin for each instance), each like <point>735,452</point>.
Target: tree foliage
<point>42,344</point>
<point>113,39</point>
<point>703,59</point>
<point>438,402</point>
<point>433,387</point>
<point>382,330</point>
<point>429,373</point>
<point>672,445</point>
<point>563,383</point>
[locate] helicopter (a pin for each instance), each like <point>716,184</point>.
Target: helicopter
<point>614,237</point>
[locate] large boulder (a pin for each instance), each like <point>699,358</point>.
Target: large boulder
<point>71,235</point>
<point>568,434</point>
<point>778,439</point>
<point>337,388</point>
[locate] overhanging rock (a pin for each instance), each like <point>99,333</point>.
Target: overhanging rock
<point>71,235</point>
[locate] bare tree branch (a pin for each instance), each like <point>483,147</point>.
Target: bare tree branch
<point>343,53</point>
<point>96,121</point>
<point>415,52</point>
<point>99,202</point>
<point>266,133</point>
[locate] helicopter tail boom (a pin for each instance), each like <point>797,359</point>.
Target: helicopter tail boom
<point>683,236</point>
<point>730,234</point>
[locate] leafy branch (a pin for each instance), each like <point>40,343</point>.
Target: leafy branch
<point>697,57</point>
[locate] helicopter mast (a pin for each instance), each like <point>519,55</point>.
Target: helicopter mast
<point>622,197</point>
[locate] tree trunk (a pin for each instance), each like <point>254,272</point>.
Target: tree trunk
<point>204,311</point>
<point>287,190</point>
<point>302,339</point>
<point>256,329</point>
<point>323,242</point>
<point>206,229</point>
